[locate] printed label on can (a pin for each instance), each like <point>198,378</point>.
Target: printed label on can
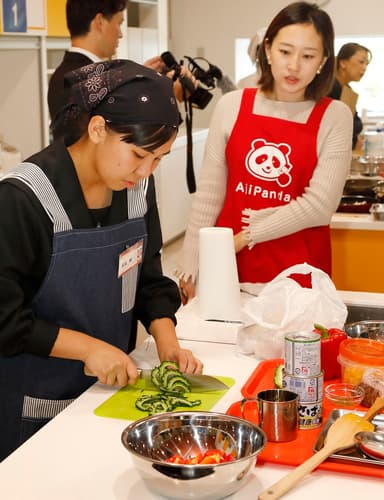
<point>302,354</point>
<point>309,389</point>
<point>310,415</point>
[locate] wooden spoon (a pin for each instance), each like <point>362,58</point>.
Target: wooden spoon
<point>374,409</point>
<point>340,435</point>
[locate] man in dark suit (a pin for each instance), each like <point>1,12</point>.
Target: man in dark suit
<point>95,30</point>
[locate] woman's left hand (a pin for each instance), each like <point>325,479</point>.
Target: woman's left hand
<point>186,361</point>
<point>168,347</point>
<point>240,241</point>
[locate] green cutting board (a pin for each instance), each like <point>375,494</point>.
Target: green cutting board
<point>122,403</point>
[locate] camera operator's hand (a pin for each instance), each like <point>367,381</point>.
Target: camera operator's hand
<point>156,63</point>
<point>178,87</point>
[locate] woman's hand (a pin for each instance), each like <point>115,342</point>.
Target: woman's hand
<point>240,241</point>
<point>111,366</point>
<point>187,290</point>
<point>108,363</point>
<point>185,359</point>
<point>168,347</point>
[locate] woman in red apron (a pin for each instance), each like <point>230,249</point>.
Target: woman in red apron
<point>80,250</point>
<point>276,157</point>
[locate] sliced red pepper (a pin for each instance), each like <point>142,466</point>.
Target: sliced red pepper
<point>209,457</point>
<point>195,460</point>
<point>177,459</point>
<point>329,347</point>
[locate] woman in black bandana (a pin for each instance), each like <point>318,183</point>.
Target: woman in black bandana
<point>80,250</point>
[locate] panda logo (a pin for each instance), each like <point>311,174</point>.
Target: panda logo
<point>270,162</point>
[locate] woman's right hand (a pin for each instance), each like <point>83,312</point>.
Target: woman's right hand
<point>187,290</point>
<point>110,365</point>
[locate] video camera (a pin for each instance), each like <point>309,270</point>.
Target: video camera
<point>209,77</point>
<point>198,96</point>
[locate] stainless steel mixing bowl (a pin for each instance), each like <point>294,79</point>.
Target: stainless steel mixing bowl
<point>153,439</point>
<point>368,329</point>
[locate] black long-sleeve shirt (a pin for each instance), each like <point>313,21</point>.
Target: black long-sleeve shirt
<point>26,234</point>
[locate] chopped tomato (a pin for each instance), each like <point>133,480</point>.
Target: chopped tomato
<point>211,459</point>
<point>208,457</point>
<point>176,459</point>
<point>213,452</point>
<point>195,460</point>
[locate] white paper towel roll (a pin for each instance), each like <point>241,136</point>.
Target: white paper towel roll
<point>218,290</point>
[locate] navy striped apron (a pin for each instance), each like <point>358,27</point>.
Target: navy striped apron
<point>81,291</point>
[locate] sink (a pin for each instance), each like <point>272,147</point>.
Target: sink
<point>363,313</point>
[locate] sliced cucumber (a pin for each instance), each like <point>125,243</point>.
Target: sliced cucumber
<point>172,386</point>
<point>167,365</point>
<point>278,376</point>
<point>155,377</point>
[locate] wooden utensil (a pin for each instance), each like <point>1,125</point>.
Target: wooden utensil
<point>374,409</point>
<point>340,435</point>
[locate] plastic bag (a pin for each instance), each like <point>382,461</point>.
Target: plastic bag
<point>293,301</point>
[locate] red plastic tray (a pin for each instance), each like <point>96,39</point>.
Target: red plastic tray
<point>297,451</point>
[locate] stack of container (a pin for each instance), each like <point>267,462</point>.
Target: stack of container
<point>303,375</point>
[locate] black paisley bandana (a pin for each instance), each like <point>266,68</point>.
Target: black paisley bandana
<point>123,92</point>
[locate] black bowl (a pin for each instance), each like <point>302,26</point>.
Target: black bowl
<point>360,186</point>
<point>355,204</point>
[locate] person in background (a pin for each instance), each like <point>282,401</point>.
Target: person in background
<point>351,64</point>
<point>95,31</point>
<point>87,258</point>
<point>276,157</point>
<point>254,44</point>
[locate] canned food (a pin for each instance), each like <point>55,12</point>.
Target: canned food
<point>302,354</point>
<point>310,415</point>
<point>309,389</point>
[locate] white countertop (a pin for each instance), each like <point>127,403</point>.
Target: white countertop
<point>363,222</point>
<point>79,456</point>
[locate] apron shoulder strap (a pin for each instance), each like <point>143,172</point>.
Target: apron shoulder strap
<point>137,199</point>
<point>318,111</point>
<point>33,177</point>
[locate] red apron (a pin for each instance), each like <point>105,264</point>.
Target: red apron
<point>270,162</point>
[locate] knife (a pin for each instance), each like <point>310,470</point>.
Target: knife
<point>199,383</point>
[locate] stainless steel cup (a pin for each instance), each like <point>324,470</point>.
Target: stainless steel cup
<point>277,413</point>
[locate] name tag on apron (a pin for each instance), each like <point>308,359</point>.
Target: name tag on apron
<point>129,261</point>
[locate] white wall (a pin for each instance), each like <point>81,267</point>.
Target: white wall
<point>211,26</point>
<point>20,109</point>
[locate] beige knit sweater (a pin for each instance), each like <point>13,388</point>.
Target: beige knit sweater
<point>314,208</point>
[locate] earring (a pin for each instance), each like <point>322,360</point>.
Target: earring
<point>319,70</point>
<point>269,60</point>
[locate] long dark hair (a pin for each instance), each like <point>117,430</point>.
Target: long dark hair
<point>302,13</point>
